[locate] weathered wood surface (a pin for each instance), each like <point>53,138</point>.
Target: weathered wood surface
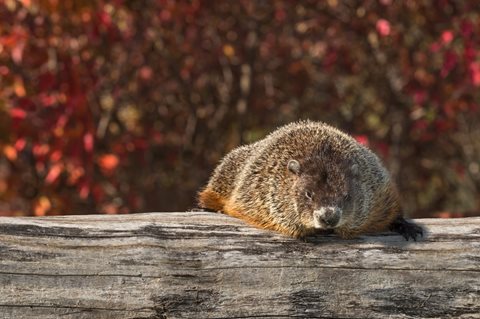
<point>205,265</point>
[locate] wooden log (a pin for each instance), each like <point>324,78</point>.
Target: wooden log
<point>206,265</point>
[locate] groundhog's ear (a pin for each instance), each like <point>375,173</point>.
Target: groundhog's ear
<point>294,167</point>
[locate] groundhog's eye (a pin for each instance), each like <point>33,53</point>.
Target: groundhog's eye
<point>309,195</point>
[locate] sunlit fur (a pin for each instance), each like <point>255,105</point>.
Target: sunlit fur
<point>253,182</point>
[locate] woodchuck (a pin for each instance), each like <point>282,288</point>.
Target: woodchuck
<point>307,177</point>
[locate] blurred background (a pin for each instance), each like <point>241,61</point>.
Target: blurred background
<point>127,106</point>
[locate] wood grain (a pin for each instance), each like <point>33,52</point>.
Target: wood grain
<point>206,265</point>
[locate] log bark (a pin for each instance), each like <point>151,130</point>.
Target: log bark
<point>207,265</point>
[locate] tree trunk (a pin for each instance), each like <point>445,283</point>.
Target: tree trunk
<point>207,265</point>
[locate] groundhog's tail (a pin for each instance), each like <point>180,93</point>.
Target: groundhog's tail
<point>211,200</point>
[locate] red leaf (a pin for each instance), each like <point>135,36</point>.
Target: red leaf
<point>56,156</point>
<point>47,99</point>
<point>419,97</point>
<point>145,73</point>
<point>84,190</point>
<point>19,87</point>
<point>362,139</point>
<point>10,152</point>
<point>20,144</point>
<point>108,163</point>
<point>53,174</point>
<point>383,27</point>
<point>40,150</point>
<point>447,36</point>
<point>62,120</point>
<point>15,41</point>
<point>105,19</point>
<point>4,70</point>
<point>88,142</point>
<point>475,73</point>
<point>74,174</point>
<point>17,51</point>
<point>17,113</point>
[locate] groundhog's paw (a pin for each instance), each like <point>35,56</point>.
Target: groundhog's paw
<point>406,229</point>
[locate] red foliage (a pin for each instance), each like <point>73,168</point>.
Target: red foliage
<point>383,27</point>
<point>118,106</point>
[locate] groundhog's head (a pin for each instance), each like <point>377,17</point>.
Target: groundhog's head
<point>325,190</point>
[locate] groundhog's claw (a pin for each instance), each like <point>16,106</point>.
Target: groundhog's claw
<point>406,229</point>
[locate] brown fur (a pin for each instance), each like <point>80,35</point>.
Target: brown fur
<point>253,182</point>
<point>211,200</point>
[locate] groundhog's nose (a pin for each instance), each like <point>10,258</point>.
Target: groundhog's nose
<point>327,217</point>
